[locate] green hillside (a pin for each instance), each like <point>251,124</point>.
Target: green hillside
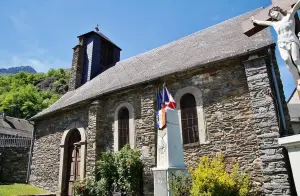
<point>22,95</point>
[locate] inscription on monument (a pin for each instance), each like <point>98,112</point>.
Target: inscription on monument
<point>162,151</point>
<point>160,183</point>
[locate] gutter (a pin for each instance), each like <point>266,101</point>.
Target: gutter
<point>278,98</point>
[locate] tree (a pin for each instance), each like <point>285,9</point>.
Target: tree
<point>19,97</point>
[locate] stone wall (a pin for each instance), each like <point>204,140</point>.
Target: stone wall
<point>13,164</point>
<point>271,160</point>
<point>228,115</point>
<point>77,67</point>
<point>46,148</point>
<point>234,122</point>
<point>143,100</point>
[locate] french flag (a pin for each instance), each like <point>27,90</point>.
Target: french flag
<point>167,99</point>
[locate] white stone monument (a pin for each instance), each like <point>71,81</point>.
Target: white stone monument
<point>292,144</point>
<point>169,154</point>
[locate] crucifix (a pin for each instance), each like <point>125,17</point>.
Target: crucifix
<point>282,16</point>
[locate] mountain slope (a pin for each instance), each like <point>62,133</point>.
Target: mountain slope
<point>22,95</point>
<point>15,70</point>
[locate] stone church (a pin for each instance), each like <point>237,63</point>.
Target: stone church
<point>229,98</point>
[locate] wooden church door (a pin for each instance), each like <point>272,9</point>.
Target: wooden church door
<point>74,159</point>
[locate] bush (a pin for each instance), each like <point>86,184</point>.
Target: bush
<point>107,169</point>
<point>210,178</point>
<point>121,171</point>
<point>130,171</point>
<point>22,95</point>
<point>180,185</point>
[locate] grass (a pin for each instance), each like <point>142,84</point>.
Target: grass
<point>19,189</point>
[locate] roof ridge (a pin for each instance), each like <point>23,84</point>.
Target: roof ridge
<point>17,118</point>
<point>187,36</point>
<point>200,48</point>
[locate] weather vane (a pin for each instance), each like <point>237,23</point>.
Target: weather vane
<point>96,28</point>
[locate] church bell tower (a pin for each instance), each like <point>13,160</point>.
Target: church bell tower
<point>93,55</point>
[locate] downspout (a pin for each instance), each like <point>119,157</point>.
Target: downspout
<point>278,98</point>
<point>30,155</point>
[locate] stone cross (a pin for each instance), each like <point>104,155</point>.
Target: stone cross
<point>249,28</point>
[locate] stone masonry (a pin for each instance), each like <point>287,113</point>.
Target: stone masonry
<point>13,164</point>
<point>228,116</point>
<point>271,158</point>
<point>239,116</point>
<point>77,67</point>
<point>46,148</point>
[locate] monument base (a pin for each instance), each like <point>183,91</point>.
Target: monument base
<point>161,179</point>
<point>292,144</point>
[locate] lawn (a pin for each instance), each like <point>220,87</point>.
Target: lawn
<point>19,189</point>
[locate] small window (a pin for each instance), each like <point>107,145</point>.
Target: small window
<point>189,119</point>
<point>123,127</point>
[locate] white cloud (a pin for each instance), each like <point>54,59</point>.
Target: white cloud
<point>34,55</point>
<point>40,65</point>
<point>32,47</point>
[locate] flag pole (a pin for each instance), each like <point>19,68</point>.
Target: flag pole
<point>157,101</point>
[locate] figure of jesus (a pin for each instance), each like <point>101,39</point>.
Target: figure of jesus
<point>288,43</point>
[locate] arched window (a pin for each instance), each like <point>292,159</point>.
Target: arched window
<point>123,127</point>
<point>189,119</point>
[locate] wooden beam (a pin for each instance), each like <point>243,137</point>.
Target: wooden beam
<point>250,29</point>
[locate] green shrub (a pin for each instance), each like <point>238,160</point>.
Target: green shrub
<point>91,187</point>
<point>130,171</point>
<point>121,171</point>
<point>107,169</point>
<point>210,178</point>
<point>180,184</point>
<point>22,96</point>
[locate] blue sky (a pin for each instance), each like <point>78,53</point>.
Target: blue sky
<point>42,33</point>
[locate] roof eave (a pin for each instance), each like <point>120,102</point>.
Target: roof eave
<point>36,117</point>
<point>104,37</point>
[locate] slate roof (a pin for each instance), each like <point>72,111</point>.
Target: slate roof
<point>219,42</point>
<point>101,35</point>
<point>15,126</point>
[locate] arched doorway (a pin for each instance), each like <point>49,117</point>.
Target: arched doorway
<point>73,157</point>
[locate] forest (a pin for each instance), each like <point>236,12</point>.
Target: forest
<point>23,95</point>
